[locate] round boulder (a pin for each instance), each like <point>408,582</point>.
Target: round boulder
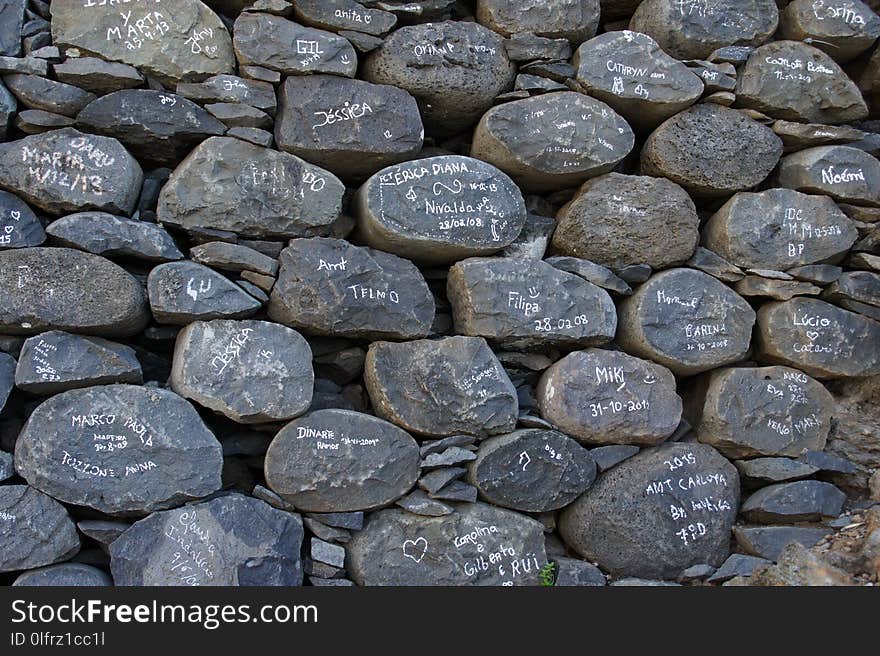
<point>35,530</point>
<point>575,20</point>
<point>844,29</point>
<point>847,174</point>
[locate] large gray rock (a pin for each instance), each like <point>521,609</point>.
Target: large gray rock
<point>229,184</point>
<point>693,29</point>
<point>769,541</point>
<point>847,174</point>
<point>440,209</point>
<point>96,75</point>
<point>19,226</point>
<point>36,92</point>
<point>779,229</point>
<point>575,20</point>
<point>231,540</point>
<point>332,287</point>
<point>250,371</point>
<point>767,411</point>
<point>56,361</point>
<point>340,15</point>
<point>12,14</point>
<point>105,234</point>
<point>281,45</point>
<point>657,513</point>
<point>818,338</point>
<point>796,82</point>
<point>119,449</point>
<point>609,397</point>
<point>341,461</point>
<point>181,40</point>
<point>477,544</point>
<point>71,575</point>
<point>552,141</point>
<point>67,171</point>
<point>231,89</point>
<point>631,73</point>
<point>801,501</point>
<point>35,530</point>
<point>528,304</point>
<point>183,292</point>
<point>532,470</point>
<point>48,288</point>
<point>441,387</point>
<point>350,127</point>
<point>703,148</point>
<point>686,320</point>
<point>615,220</point>
<point>454,69</point>
<point>157,127</point>
<point>844,30</point>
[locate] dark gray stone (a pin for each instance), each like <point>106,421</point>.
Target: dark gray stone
<point>12,13</point>
<point>801,501</point>
<point>249,371</point>
<point>157,127</point>
<point>24,65</point>
<point>657,513</point>
<point>737,565</point>
<point>239,115</point>
<point>574,20</point>
<point>119,449</point>
<point>7,468</point>
<point>528,304</point>
<point>571,572</point>
<point>7,377</point>
<point>635,274</point>
<point>609,397</point>
<point>779,290</point>
<point>233,257</point>
<point>531,470</point>
<point>102,531</point>
<point>255,136</point>
<point>440,209</point>
<point>456,491</point>
<point>710,262</point>
<point>842,30</point>
<point>57,361</point>
<point>324,552</point>
<point>60,288</point>
<point>337,15</point>
<point>231,540</point>
<point>341,461</point>
<point>331,287</point>
<point>630,72</point>
<point>439,446</point>
<point>96,75</point>
<point>533,238</point>
<point>35,530</point>
<point>8,105</point>
<point>476,545</point>
<point>441,387</point>
<point>774,470</point>
<point>67,171</point>
<point>36,92</point>
<point>617,220</point>
<point>290,48</point>
<point>524,139</point>
<point>612,455</point>
<point>845,173</point>
<point>858,286</point>
<point>769,541</point>
<point>797,136</point>
<point>183,292</point>
<point>819,274</point>
<point>19,226</point>
<point>818,338</point>
<point>436,480</point>
<point>454,85</point>
<point>108,235</point>
<point>36,121</point>
<point>71,575</point>
<point>350,127</point>
<point>687,321</point>
<point>828,462</point>
<point>766,411</point>
<point>454,455</point>
<point>526,47</point>
<point>419,503</point>
<point>229,184</point>
<point>231,89</point>
<point>591,272</point>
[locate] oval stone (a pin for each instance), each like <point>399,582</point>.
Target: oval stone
<point>528,304</point>
<point>105,234</point>
<point>341,461</point>
<point>766,411</point>
<point>844,29</point>
<point>575,20</point>
<point>693,29</point>
<point>350,127</point>
<point>703,148</point>
<point>779,229</point>
<point>119,449</point>
<point>620,220</point>
<point>631,73</point>
<point>847,174</point>
<point>687,321</point>
<point>819,338</point>
<point>60,288</point>
<point>441,387</point>
<point>440,209</point>
<point>604,397</point>
<point>231,540</point>
<point>250,371</point>
<point>477,544</point>
<point>552,141</point>
<point>180,40</point>
<point>229,184</point>
<point>19,226</point>
<point>332,287</point>
<point>35,530</point>
<point>72,575</point>
<point>531,470</point>
<point>454,69</point>
<point>657,513</point>
<point>65,170</point>
<point>793,81</point>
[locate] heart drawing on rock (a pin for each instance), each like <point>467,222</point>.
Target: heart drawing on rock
<point>812,335</point>
<point>415,549</point>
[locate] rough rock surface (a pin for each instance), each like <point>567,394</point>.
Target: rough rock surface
<point>844,173</point>
<point>574,20</point>
<point>35,530</point>
<point>105,234</point>
<point>182,292</point>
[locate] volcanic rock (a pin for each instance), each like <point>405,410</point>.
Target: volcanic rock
<point>35,530</point>
<point>105,234</point>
